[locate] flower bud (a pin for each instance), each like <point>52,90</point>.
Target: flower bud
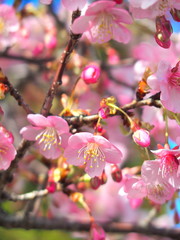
<point>141,137</point>
<point>163,32</point>
<point>51,187</point>
<point>97,232</point>
<point>116,173</point>
<point>95,182</point>
<point>90,74</point>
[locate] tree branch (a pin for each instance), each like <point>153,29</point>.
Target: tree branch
<point>17,221</point>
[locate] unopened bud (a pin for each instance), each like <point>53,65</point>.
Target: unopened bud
<point>163,32</point>
<point>97,232</point>
<point>90,74</point>
<point>95,182</point>
<point>51,187</point>
<point>141,137</point>
<point>116,173</point>
<point>103,178</point>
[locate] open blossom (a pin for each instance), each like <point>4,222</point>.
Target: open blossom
<point>150,184</point>
<point>168,164</point>
<point>9,25</point>
<point>152,8</point>
<point>49,133</point>
<point>93,151</point>
<point>103,22</point>
<point>7,152</point>
<point>167,81</point>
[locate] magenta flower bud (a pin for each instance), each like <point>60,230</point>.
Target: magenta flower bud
<point>163,32</point>
<point>141,137</point>
<point>97,232</point>
<point>116,173</point>
<point>91,74</point>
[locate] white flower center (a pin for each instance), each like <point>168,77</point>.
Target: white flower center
<point>49,137</point>
<point>93,153</point>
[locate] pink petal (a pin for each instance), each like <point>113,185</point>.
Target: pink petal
<point>94,168</point>
<point>112,155</point>
<point>78,140</point>
<point>73,156</point>
<point>81,24</point>
<point>121,15</point>
<point>150,170</point>
<point>38,120</point>
<point>73,5</point>
<point>52,153</point>
<point>30,133</point>
<point>59,124</point>
<point>121,33</point>
<point>100,6</point>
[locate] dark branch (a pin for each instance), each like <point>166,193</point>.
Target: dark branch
<point>13,221</point>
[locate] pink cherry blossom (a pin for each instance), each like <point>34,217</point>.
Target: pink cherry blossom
<point>73,5</point>
<point>9,25</point>
<point>153,8</point>
<point>49,133</point>
<point>157,188</point>
<point>93,151</point>
<point>103,22</point>
<point>97,232</point>
<point>169,165</point>
<point>7,152</point>
<point>166,81</point>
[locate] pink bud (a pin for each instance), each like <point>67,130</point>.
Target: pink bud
<point>141,137</point>
<point>97,232</point>
<point>51,187</point>
<point>103,112</point>
<point>90,74</point>
<point>163,32</point>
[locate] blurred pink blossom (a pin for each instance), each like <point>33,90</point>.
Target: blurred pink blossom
<point>49,133</point>
<point>73,5</point>
<point>93,151</point>
<point>7,152</point>
<point>166,81</point>
<point>102,22</point>
<point>9,25</point>
<point>153,8</point>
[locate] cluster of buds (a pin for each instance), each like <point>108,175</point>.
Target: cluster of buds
<point>163,32</point>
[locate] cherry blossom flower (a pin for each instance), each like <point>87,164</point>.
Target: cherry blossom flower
<point>93,151</point>
<point>49,133</point>
<point>169,165</point>
<point>150,184</point>
<point>167,81</point>
<point>153,8</point>
<point>9,25</point>
<point>103,22</point>
<point>7,152</point>
<point>73,5</point>
<point>157,188</point>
